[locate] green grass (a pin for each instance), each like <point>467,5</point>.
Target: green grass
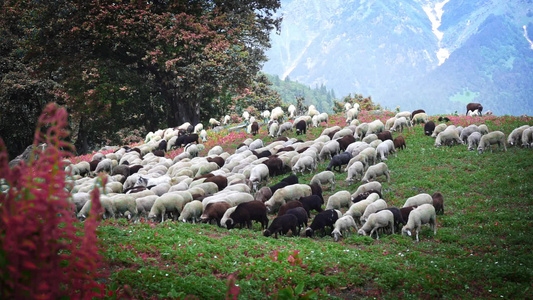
<point>482,248</point>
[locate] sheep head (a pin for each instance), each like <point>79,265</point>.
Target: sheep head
<point>309,232</point>
<point>406,231</point>
<point>336,234</point>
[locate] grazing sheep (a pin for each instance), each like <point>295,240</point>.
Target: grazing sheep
<point>226,215</point>
<point>312,202</point>
<point>355,171</point>
<point>351,114</point>
<point>301,214</point>
<point>339,160</point>
<point>473,141</point>
<point>515,137</point>
<point>375,171</point>
<point>384,149</point>
<point>399,142</point>
<point>286,194</point>
<point>323,219</point>
<point>301,127</point>
<point>438,203</point>
<point>385,135</point>
<point>419,118</point>
<point>372,208</point>
<point>323,178</point>
<point>338,200</point>
<point>398,219</point>
<point>483,129</point>
<point>448,137</point>
<point>382,219</point>
<point>289,205</point>
<point>144,204</point>
<point>273,129</point>
<point>214,122</point>
<point>287,126</point>
<point>282,224</point>
<point>400,124</point>
<point>343,224</point>
<point>390,123</point>
<point>329,149</point>
<point>304,163</point>
<point>361,130</point>
<point>247,212</point>
<point>424,214</point>
<point>345,141</point>
<point>418,200</point>
<point>192,211</point>
<point>375,127</point>
<point>105,165</point>
<point>495,137</point>
<point>214,211</point>
<point>527,137</point>
<point>369,138</point>
<point>168,203</point>
<point>373,195</point>
<point>438,129</point>
<point>371,186</point>
<point>429,127</point>
<point>258,174</point>
<point>356,210</point>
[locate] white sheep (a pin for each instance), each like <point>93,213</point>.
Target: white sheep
<point>467,132</point>
<point>121,203</point>
<point>168,203</point>
<point>287,126</point>
<point>372,208</point>
<point>273,129</point>
<point>323,178</point>
<point>355,171</point>
<point>369,138</point>
<point>338,200</point>
<point>226,119</point>
<point>357,209</point>
<point>342,225</point>
<point>246,115</point>
<point>347,106</point>
<point>342,133</point>
<point>389,123</point>
<point>418,200</point>
<point>288,193</point>
<point>419,118</point>
<point>424,214</point>
<point>483,129</point>
<point>375,171</point>
<point>214,122</point>
<point>405,114</point>
<point>381,219</point>
<point>329,149</point>
<point>303,163</point>
<point>527,137</point>
<point>361,130</point>
<point>351,114</point>
<point>215,151</point>
<point>203,135</point>
<point>328,130</point>
<point>448,137</point>
<point>276,114</point>
<point>371,186</point>
<point>400,124</point>
<point>226,215</point>
<point>473,140</point>
<point>495,137</point>
<point>384,149</point>
<point>375,127</point>
<point>191,212</point>
<point>438,129</point>
<point>291,110</point>
<point>144,204</point>
<point>258,174</point>
<point>515,136</point>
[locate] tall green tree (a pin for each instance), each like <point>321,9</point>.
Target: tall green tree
<point>121,63</point>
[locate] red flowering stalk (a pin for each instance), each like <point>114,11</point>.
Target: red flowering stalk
<point>42,254</point>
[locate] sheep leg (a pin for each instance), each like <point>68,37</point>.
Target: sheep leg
<point>387,174</point>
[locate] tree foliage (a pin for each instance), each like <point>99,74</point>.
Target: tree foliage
<point>123,63</point>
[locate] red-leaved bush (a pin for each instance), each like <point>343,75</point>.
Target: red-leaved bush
<point>43,255</point>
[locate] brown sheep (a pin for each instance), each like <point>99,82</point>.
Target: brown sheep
<point>399,142</point>
<point>416,112</point>
<point>438,202</point>
<point>289,205</point>
<point>219,180</point>
<point>214,211</point>
<point>218,160</point>
<point>345,141</point>
<point>473,106</point>
<point>385,135</point>
<point>255,128</point>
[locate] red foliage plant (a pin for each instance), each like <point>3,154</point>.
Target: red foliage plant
<point>43,255</point>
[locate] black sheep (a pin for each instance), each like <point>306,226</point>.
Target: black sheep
<point>275,166</point>
<point>301,127</point>
<point>282,224</point>
<point>312,202</point>
<point>247,212</point>
<point>279,185</point>
<point>417,112</point>
<point>162,145</point>
<point>265,153</point>
<point>316,189</point>
<point>405,211</point>
<point>429,128</point>
<point>339,160</point>
<point>301,214</point>
<point>345,141</point>
<point>321,221</point>
<point>291,179</point>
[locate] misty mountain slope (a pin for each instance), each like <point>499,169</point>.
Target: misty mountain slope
<point>390,51</point>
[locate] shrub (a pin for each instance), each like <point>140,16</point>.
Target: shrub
<point>43,254</point>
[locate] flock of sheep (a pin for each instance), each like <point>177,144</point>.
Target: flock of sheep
<point>229,189</point>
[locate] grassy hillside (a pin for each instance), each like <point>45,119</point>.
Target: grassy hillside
<point>482,248</point>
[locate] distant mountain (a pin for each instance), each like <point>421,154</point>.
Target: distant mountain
<point>436,55</point>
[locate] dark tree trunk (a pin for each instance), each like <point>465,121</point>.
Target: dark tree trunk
<point>82,144</point>
<point>181,111</point>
